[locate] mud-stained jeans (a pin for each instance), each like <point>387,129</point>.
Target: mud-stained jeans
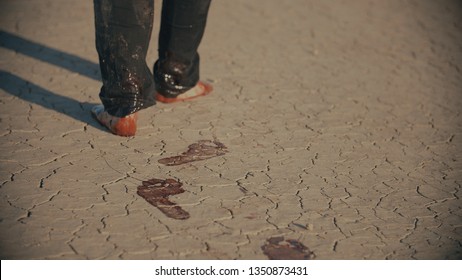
<point>123,30</point>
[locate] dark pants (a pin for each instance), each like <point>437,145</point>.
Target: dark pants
<point>123,30</point>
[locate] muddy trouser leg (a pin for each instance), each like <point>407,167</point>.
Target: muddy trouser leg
<point>123,30</point>
<point>182,27</point>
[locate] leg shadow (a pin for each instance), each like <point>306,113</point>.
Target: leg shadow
<point>50,55</point>
<point>32,93</point>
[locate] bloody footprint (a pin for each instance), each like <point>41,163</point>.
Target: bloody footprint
<point>203,149</point>
<point>277,248</point>
<point>157,191</point>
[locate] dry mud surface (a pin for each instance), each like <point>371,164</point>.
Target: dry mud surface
<point>341,122</point>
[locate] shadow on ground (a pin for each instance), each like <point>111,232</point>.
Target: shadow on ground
<point>33,93</point>
<point>50,55</point>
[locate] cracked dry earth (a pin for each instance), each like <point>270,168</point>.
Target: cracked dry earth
<point>342,121</point>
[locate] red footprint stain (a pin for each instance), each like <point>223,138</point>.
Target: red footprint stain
<point>203,149</point>
<point>157,191</point>
<point>276,248</point>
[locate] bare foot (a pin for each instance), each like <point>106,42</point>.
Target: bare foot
<point>125,126</point>
<point>200,89</point>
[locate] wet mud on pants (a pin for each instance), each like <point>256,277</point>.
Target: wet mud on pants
<point>123,31</point>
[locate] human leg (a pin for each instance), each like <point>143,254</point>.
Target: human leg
<point>176,72</point>
<point>123,30</point>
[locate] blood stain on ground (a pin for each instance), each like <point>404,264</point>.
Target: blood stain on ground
<point>157,191</point>
<point>203,149</point>
<point>277,248</point>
